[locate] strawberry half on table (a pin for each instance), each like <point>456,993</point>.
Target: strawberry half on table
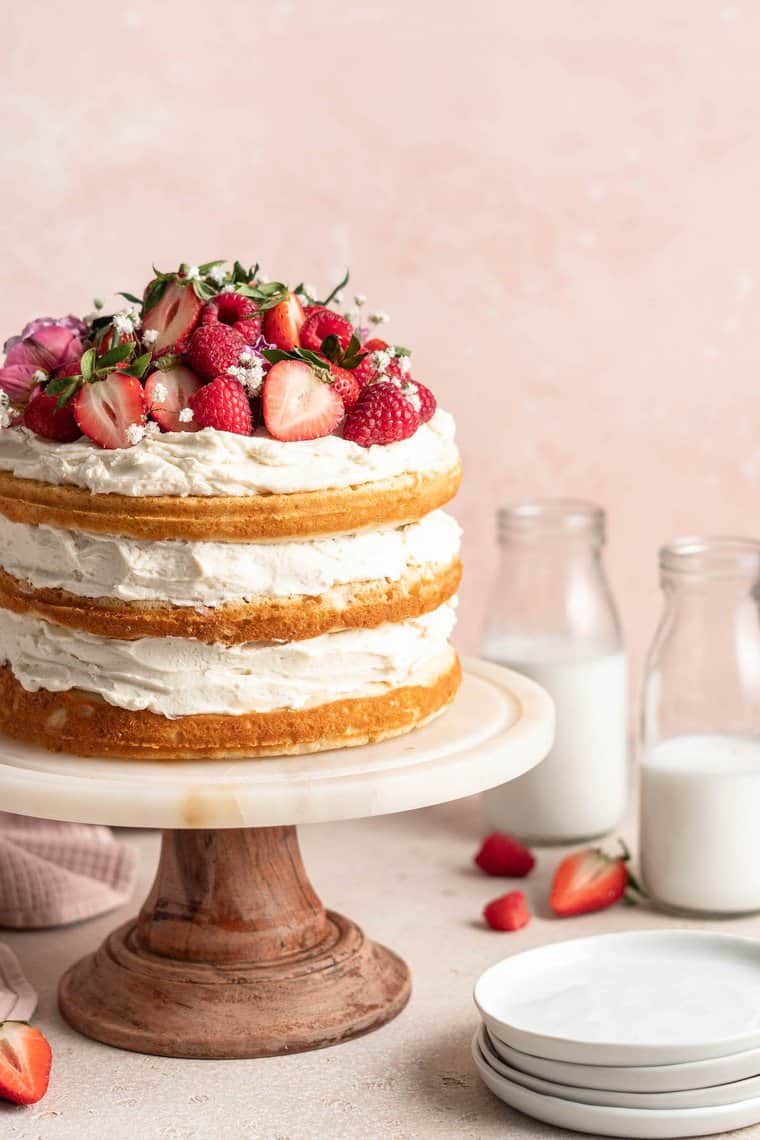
<point>589,880</point>
<point>25,1060</point>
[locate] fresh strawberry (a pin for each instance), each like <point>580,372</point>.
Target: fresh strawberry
<point>345,384</point>
<point>428,402</point>
<point>509,912</point>
<point>501,854</point>
<point>167,394</point>
<point>174,316</point>
<point>321,323</point>
<point>107,409</point>
<point>45,418</point>
<point>375,344</point>
<point>25,1060</point>
<point>382,414</point>
<point>213,349</point>
<point>223,404</point>
<point>282,323</point>
<point>297,404</point>
<point>588,880</point>
<point>236,310</point>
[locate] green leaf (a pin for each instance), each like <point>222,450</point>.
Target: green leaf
<point>209,265</point>
<point>203,291</point>
<point>54,387</point>
<point>130,297</point>
<point>86,364</point>
<point>155,292</point>
<point>341,285</point>
<point>114,356</point>
<point>69,392</point>
<point>170,360</point>
<point>401,351</point>
<point>331,349</point>
<point>140,366</point>
<point>100,322</point>
<point>275,355</point>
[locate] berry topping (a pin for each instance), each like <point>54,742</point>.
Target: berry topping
<point>235,310</point>
<point>25,1060</point>
<point>213,349</point>
<point>509,912</point>
<point>321,323</point>
<point>173,316</point>
<point>111,412</point>
<point>43,416</point>
<point>382,414</point>
<point>588,880</point>
<point>502,855</point>
<point>223,405</point>
<point>428,402</point>
<point>345,384</point>
<point>298,404</point>
<point>282,323</point>
<point>167,393</point>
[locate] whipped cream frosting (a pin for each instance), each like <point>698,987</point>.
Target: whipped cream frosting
<point>213,462</point>
<point>180,676</point>
<point>212,573</point>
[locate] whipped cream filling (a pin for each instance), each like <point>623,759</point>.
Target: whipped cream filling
<point>177,677</point>
<point>212,462</point>
<point>212,573</point>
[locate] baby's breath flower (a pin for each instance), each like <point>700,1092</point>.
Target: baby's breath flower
<point>352,316</point>
<point>135,433</point>
<point>360,300</point>
<point>185,415</point>
<point>126,321</point>
<point>160,393</point>
<point>39,376</point>
<point>378,318</point>
<point>217,273</point>
<point>192,272</point>
<point>5,414</point>
<point>230,288</point>
<point>149,337</point>
<point>152,428</point>
<point>98,303</point>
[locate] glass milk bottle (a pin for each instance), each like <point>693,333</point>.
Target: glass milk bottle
<point>700,731</point>
<point>552,617</point>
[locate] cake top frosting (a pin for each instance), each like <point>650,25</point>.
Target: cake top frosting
<point>215,376</point>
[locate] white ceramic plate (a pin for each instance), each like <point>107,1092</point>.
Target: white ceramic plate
<point>691,1098</point>
<point>642,1079</point>
<point>630,1123</point>
<point>656,997</point>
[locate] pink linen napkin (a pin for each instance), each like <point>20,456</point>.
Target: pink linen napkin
<point>56,873</point>
<point>18,999</point>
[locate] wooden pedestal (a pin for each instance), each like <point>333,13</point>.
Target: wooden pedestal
<point>233,955</point>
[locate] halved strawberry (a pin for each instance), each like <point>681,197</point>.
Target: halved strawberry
<point>25,1060</point>
<point>106,409</point>
<point>588,880</point>
<point>282,323</point>
<point>167,393</point>
<point>174,316</point>
<point>297,404</point>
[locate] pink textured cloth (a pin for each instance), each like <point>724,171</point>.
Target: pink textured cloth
<point>55,873</point>
<point>18,999</point>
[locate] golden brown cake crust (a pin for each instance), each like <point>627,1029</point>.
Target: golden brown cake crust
<point>86,725</point>
<point>227,518</point>
<point>361,605</point>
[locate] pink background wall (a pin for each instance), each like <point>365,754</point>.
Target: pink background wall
<point>557,202</point>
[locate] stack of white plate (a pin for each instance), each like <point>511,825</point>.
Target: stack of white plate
<point>650,1034</point>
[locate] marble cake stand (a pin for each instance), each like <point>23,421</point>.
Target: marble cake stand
<point>232,953</point>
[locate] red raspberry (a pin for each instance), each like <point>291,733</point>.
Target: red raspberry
<point>368,371</point>
<point>345,384</point>
<point>382,414</point>
<point>235,310</point>
<point>43,418</point>
<point>223,405</point>
<point>500,854</point>
<point>213,349</point>
<point>428,402</point>
<point>509,912</point>
<point>321,323</point>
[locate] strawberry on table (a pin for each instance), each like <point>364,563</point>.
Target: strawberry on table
<point>589,880</point>
<point>25,1060</point>
<point>508,912</point>
<point>321,323</point>
<point>298,403</point>
<point>167,394</point>
<point>282,323</point>
<point>223,404</point>
<point>382,414</point>
<point>173,316</point>
<point>111,412</point>
<point>503,855</point>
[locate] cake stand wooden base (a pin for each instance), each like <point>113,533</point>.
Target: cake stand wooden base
<point>233,955</point>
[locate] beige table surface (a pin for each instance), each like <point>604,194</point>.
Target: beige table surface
<point>408,879</point>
